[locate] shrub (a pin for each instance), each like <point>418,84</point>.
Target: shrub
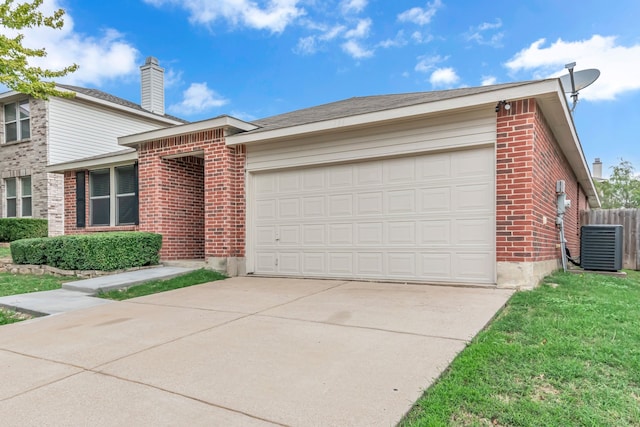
<point>100,251</point>
<point>22,228</point>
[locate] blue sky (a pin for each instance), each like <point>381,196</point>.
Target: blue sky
<point>255,58</point>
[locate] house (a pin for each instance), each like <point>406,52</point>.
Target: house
<point>454,186</point>
<point>35,133</point>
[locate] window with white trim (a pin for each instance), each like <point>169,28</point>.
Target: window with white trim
<point>108,207</point>
<point>17,121</point>
<point>18,197</point>
<point>25,200</point>
<point>11,197</point>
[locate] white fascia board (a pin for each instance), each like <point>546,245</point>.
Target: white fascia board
<point>231,125</point>
<point>529,90</point>
<point>124,108</point>
<point>93,163</point>
<point>10,95</point>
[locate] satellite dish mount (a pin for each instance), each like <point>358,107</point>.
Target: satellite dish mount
<point>574,82</point>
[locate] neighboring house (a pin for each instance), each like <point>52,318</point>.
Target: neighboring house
<point>455,186</point>
<point>36,133</point>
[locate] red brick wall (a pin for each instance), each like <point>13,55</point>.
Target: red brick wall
<point>528,164</point>
<point>213,224</point>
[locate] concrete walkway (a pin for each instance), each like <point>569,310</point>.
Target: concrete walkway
<point>244,351</point>
<point>79,294</point>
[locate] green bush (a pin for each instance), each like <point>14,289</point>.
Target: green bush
<point>99,251</point>
<point>22,228</point>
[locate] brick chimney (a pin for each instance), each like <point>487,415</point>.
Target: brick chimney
<point>597,169</point>
<point>152,86</point>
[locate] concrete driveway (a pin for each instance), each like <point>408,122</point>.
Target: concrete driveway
<point>244,351</point>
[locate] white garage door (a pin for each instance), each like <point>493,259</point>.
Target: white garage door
<point>425,218</point>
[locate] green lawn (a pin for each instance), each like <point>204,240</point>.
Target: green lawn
<point>566,355</point>
<point>194,278</point>
<point>5,252</point>
<point>12,284</point>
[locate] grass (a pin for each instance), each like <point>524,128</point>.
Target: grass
<point>194,278</point>
<point>5,252</point>
<point>565,355</point>
<point>13,284</point>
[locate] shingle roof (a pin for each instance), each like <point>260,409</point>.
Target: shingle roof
<point>368,104</point>
<point>95,93</point>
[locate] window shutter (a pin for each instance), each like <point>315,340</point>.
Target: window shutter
<point>137,198</point>
<point>80,199</point>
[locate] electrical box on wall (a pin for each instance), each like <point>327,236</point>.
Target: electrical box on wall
<point>601,247</point>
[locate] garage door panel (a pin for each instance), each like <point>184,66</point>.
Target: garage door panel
<point>435,266</point>
<point>369,264</point>
<point>473,232</point>
<point>314,235</point>
<point>474,197</point>
<point>401,233</point>
<point>368,174</point>
<point>340,205</point>
<point>369,203</point>
<point>340,264</point>
<point>369,234</point>
<point>420,218</point>
<point>400,171</point>
<point>472,266</point>
<point>314,263</point>
<point>340,176</point>
<point>313,207</point>
<point>401,201</point>
<point>288,208</point>
<point>434,200</point>
<point>435,233</point>
<point>435,166</point>
<point>402,264</point>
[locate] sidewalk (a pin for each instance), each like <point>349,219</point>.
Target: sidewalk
<point>80,294</point>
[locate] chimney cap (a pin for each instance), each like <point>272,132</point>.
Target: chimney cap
<point>151,60</point>
<point>597,160</point>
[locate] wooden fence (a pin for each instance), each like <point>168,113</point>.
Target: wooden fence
<point>630,221</point>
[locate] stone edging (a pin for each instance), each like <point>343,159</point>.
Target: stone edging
<point>7,266</point>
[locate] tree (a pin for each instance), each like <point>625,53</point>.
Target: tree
<point>622,189</point>
<point>15,71</point>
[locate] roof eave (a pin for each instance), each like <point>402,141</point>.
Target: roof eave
<point>91,163</point>
<point>396,114</point>
<point>231,125</point>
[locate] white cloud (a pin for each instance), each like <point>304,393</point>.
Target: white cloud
<point>275,16</point>
<point>353,6</point>
<point>421,16</point>
<point>360,31</point>
<point>616,63</point>
<point>198,98</point>
<point>479,34</point>
<point>488,80</point>
<point>398,41</point>
<point>444,77</point>
<point>421,38</point>
<point>428,63</point>
<point>353,48</point>
<point>100,59</point>
<point>306,46</point>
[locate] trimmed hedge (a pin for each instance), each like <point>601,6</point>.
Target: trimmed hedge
<point>99,251</point>
<point>22,228</point>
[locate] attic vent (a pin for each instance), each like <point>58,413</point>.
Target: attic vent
<point>601,247</point>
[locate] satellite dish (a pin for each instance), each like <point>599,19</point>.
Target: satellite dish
<point>581,79</point>
<point>574,82</point>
